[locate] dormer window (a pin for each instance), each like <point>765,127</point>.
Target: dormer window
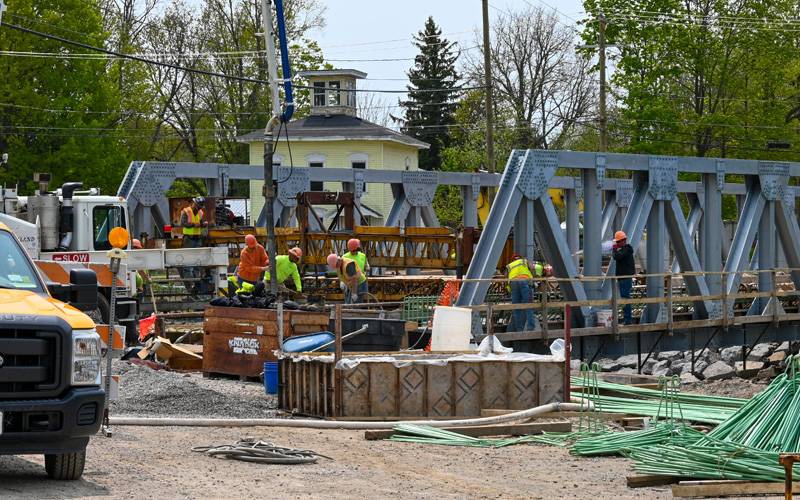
<point>319,93</point>
<point>333,93</point>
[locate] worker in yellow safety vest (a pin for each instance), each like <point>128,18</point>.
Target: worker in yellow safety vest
<point>519,276</point>
<point>192,222</point>
<point>286,266</point>
<point>357,254</point>
<point>349,275</point>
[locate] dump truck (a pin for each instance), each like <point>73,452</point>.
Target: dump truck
<point>51,400</point>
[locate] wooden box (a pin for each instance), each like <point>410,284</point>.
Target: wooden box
<point>413,388</point>
<point>237,341</point>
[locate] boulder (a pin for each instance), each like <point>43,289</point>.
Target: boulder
<point>609,366</point>
<point>647,367</point>
<point>718,370</point>
<point>752,366</point>
<point>731,354</point>
<point>662,368</point>
<point>676,367</point>
<point>688,378</point>
<point>784,347</point>
<point>628,361</point>
<point>670,355</point>
<point>759,352</point>
<point>699,366</point>
<point>627,371</point>
<point>767,373</point>
<point>777,357</point>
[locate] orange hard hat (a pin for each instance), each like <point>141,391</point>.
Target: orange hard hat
<point>250,241</point>
<point>296,252</point>
<point>353,244</point>
<point>620,235</point>
<point>136,244</point>
<point>333,259</point>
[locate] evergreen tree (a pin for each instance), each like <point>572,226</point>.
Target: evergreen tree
<point>428,114</point>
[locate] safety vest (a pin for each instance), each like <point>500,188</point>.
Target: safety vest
<point>361,261</point>
<point>241,286</point>
<point>518,269</point>
<point>286,269</point>
<point>346,262</point>
<point>196,219</point>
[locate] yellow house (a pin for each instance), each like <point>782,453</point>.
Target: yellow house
<point>333,136</point>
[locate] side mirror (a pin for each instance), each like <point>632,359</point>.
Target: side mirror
<point>83,289</point>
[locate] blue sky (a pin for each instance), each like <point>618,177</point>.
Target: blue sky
<point>364,29</point>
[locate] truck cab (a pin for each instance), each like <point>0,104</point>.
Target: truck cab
<point>51,400</point>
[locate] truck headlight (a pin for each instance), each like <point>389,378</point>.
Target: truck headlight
<point>85,357</point>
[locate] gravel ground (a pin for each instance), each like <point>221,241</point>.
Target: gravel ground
<point>734,387</point>
<point>152,462</point>
<point>148,392</point>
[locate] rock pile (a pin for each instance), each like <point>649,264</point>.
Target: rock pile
<point>764,361</point>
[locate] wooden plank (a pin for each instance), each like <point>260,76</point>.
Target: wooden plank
<point>703,489</point>
<point>645,481</point>
<point>489,430</point>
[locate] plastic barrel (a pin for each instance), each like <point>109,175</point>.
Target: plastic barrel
<point>271,377</point>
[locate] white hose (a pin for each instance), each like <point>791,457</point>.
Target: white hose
<point>338,424</point>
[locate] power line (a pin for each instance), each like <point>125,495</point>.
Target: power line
<point>201,71</point>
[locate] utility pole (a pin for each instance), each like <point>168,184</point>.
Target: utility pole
<point>603,117</point>
<point>487,81</point>
<point>269,145</point>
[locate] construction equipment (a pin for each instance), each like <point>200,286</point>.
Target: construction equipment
<point>70,227</point>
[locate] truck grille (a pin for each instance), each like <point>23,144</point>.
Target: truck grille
<point>31,363</point>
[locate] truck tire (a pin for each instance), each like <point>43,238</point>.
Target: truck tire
<point>66,466</point>
<point>100,315</point>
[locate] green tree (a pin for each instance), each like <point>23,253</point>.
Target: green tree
<point>428,115</point>
<point>57,113</point>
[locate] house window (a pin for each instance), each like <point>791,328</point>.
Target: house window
<point>319,93</point>
<point>333,93</point>
<point>316,185</point>
<point>350,95</point>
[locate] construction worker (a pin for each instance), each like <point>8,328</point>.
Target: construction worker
<point>193,221</point>
<point>142,276</point>
<point>622,253</point>
<point>355,253</point>
<point>349,275</point>
<point>519,276</point>
<point>253,261</point>
<point>286,266</point>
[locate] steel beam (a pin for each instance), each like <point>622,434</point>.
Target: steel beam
<point>695,216</point>
<point>656,260</point>
<point>711,234</point>
<point>592,228</point>
<point>573,224</point>
<point>739,256</point>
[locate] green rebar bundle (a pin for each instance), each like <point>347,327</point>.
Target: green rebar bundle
<point>653,394</point>
<point>745,446</point>
<point>423,434</point>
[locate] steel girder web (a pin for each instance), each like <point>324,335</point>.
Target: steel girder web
<point>495,233</point>
<point>693,222</point>
<point>609,213</point>
<point>556,251</point>
<point>687,258</point>
<point>739,256</point>
<point>789,235</point>
<point>633,225</point>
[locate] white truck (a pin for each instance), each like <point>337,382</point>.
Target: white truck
<point>69,227</point>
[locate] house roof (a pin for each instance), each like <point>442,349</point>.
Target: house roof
<point>338,128</point>
<point>333,72</point>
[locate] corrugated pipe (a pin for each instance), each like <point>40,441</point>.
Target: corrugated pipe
<point>338,424</point>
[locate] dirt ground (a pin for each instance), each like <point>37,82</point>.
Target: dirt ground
<point>151,462</point>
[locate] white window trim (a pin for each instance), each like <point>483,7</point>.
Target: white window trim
<point>315,158</point>
<point>358,158</point>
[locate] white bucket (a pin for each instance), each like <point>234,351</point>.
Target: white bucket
<point>604,318</point>
<point>452,328</point>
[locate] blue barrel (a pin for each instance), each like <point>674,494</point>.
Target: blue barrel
<point>305,343</point>
<point>271,377</point>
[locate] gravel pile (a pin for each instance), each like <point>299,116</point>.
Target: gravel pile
<point>146,392</point>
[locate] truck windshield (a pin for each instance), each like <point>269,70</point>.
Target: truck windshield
<point>16,270</point>
<point>106,218</point>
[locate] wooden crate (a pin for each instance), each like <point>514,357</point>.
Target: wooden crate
<point>382,390</point>
<point>237,341</point>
